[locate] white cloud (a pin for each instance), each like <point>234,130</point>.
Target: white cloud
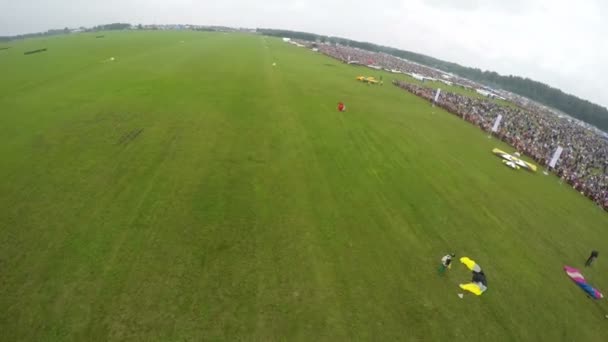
<point>558,42</point>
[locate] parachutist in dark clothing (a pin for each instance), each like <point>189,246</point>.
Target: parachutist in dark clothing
<point>480,277</point>
<point>591,258</point>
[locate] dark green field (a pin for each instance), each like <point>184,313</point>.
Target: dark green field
<point>189,190</point>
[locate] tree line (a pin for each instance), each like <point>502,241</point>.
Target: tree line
<point>542,93</point>
<point>54,32</point>
<point>110,27</point>
<point>34,35</point>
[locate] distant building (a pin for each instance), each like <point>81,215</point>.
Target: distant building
<point>417,76</point>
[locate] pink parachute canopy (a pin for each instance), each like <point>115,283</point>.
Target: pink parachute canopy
<point>578,278</point>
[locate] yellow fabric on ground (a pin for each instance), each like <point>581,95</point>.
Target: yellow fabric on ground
<point>471,287</point>
<point>470,264</point>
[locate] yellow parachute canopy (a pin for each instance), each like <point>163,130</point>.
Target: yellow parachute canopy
<point>472,287</point>
<point>369,79</point>
<point>515,160</point>
<point>478,284</point>
<point>470,264</point>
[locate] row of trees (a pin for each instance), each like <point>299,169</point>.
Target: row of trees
<point>110,27</point>
<point>534,90</point>
<point>54,32</point>
<point>34,35</point>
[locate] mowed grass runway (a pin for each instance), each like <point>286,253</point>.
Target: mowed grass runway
<point>189,190</point>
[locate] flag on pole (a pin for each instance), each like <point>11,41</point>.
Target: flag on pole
<point>496,123</point>
<point>437,95</point>
<point>556,155</point>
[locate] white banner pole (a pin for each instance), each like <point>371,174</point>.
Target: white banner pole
<point>554,159</point>
<point>496,123</point>
<point>437,95</point>
<point>556,155</point>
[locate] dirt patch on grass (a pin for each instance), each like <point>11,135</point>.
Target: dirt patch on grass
<point>129,136</point>
<point>34,51</point>
<point>256,160</point>
<point>248,160</point>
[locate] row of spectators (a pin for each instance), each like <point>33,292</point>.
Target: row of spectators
<point>388,62</point>
<point>584,162</point>
<point>535,131</point>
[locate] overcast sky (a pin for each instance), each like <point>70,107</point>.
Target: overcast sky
<point>560,42</point>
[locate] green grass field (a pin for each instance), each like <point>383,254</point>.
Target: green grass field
<point>189,190</point>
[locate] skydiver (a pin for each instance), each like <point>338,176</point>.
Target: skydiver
<point>591,258</point>
<point>446,263</point>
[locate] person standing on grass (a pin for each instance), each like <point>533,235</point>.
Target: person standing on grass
<point>591,258</point>
<point>446,263</point>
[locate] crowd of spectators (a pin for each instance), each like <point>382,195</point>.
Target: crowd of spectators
<point>385,61</point>
<point>535,130</point>
<point>584,161</point>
